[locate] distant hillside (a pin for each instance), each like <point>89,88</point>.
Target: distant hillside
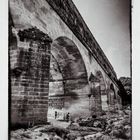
<point>127,83</point>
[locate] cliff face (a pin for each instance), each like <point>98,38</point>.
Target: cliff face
<point>127,83</point>
<point>126,90</point>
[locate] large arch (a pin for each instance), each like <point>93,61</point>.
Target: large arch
<point>98,99</point>
<point>68,85</point>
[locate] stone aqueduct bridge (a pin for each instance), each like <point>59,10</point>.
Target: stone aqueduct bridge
<point>56,64</point>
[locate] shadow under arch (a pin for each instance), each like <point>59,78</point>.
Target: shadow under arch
<point>112,88</point>
<point>99,75</point>
<point>68,80</point>
<point>112,96</point>
<point>69,58</point>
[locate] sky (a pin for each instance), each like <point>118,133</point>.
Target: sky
<point>108,20</point>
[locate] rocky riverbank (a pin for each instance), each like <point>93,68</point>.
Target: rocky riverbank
<point>111,126</point>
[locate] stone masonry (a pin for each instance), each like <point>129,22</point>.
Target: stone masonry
<point>52,56</point>
<point>30,64</point>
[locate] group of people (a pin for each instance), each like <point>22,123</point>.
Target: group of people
<point>66,117</point>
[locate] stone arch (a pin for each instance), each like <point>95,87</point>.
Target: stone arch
<point>68,57</point>
<point>69,75</point>
<point>99,75</point>
<point>112,86</point>
<point>113,89</point>
<point>112,96</point>
<point>94,98</point>
<point>103,91</point>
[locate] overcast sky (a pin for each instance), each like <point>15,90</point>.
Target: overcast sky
<point>108,21</point>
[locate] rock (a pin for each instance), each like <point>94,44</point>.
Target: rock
<point>105,137</point>
<point>96,136</point>
<point>26,135</point>
<point>59,131</point>
<point>115,133</point>
<point>71,136</point>
<point>113,127</point>
<point>73,126</point>
<point>57,138</point>
<point>97,123</point>
<point>80,138</point>
<point>120,112</point>
<point>127,130</point>
<point>90,137</point>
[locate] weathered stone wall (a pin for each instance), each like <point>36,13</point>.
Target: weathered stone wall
<point>72,18</point>
<point>74,66</point>
<point>68,82</point>
<point>29,64</point>
<point>47,20</point>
